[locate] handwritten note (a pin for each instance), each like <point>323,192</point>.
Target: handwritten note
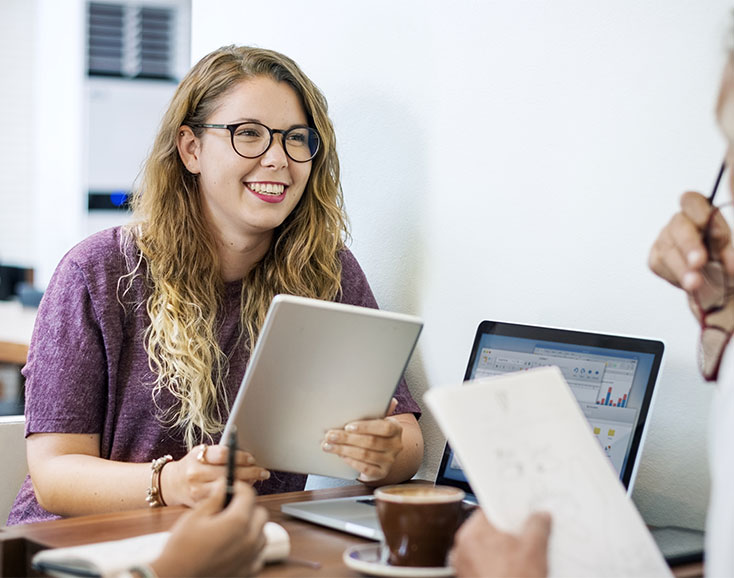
<point>525,445</point>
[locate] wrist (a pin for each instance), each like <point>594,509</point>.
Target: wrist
<point>168,484</point>
<point>154,494</point>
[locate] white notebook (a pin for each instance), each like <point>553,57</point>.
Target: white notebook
<point>113,557</point>
<point>525,446</point>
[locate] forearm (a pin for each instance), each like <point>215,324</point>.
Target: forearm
<point>75,484</point>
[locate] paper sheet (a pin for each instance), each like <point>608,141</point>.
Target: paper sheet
<point>113,557</point>
<point>525,446</point>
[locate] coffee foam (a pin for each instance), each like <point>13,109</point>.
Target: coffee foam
<point>416,494</point>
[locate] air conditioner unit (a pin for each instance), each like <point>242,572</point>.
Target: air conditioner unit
<point>136,54</point>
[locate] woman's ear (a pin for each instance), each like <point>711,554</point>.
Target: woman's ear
<point>188,149</point>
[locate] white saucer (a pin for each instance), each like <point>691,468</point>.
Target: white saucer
<point>366,558</point>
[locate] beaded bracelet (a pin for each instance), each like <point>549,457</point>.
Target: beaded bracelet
<point>154,496</point>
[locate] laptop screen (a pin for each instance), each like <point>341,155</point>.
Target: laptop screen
<point>612,378</point>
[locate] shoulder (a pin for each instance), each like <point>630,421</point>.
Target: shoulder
<point>355,289</point>
<point>96,263</point>
<point>107,251</point>
<point>98,246</point>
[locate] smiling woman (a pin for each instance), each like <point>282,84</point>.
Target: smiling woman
<point>145,331</point>
<point>246,196</point>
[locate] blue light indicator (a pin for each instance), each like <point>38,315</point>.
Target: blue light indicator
<point>118,198</point>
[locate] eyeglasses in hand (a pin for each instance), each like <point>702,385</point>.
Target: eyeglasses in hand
<point>714,300</point>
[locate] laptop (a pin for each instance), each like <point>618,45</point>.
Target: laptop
<point>612,377</point>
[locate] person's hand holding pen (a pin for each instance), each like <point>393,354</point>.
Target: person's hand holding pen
<point>693,237</point>
<point>191,479</point>
<point>694,252</point>
<point>211,541</point>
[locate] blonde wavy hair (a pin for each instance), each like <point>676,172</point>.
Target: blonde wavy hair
<point>177,255</point>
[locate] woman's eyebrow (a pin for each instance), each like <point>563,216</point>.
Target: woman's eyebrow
<point>293,125</point>
<point>242,119</point>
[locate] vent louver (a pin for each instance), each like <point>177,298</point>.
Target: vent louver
<point>130,41</point>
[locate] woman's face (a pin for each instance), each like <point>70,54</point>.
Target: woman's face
<point>245,199</point>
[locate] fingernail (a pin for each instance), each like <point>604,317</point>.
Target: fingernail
<point>350,427</point>
<point>332,437</point>
<point>688,281</point>
<point>696,257</point>
<point>327,447</point>
<point>367,478</point>
<point>250,460</point>
<point>264,475</point>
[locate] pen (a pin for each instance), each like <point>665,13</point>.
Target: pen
<point>232,446</point>
<point>716,184</point>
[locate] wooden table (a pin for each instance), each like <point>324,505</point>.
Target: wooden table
<point>16,327</point>
<point>309,542</point>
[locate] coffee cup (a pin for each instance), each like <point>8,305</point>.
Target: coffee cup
<point>419,522</point>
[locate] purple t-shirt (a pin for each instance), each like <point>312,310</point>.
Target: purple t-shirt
<point>88,372</point>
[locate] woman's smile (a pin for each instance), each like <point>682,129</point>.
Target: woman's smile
<point>268,191</point>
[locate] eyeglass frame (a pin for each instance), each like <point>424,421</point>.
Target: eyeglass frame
<point>271,131</point>
<point>706,312</point>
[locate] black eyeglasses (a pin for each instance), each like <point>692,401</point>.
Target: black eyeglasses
<point>252,139</point>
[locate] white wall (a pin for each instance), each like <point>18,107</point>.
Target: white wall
<point>514,161</point>
<point>17,25</point>
<point>50,111</point>
<point>58,176</point>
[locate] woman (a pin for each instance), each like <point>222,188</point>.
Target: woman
<point>144,332</point>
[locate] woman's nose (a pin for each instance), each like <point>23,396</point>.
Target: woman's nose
<point>275,156</point>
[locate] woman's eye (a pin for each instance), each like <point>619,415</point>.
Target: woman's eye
<point>247,133</point>
<point>297,138</point>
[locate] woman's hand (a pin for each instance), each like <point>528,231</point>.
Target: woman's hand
<point>209,541</point>
<point>480,549</point>
<point>369,446</point>
<point>679,254</point>
<point>191,479</point>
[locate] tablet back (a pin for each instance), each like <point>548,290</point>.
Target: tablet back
<point>317,366</point>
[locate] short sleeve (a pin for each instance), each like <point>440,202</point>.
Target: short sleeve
<point>356,291</point>
<point>66,379</point>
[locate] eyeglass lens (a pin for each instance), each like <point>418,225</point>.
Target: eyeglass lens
<point>252,139</point>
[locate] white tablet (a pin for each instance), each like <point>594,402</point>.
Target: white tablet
<point>317,365</point>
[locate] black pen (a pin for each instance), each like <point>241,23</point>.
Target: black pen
<point>716,184</point>
<point>232,447</point>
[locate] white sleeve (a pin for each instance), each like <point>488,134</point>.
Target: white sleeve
<point>720,518</point>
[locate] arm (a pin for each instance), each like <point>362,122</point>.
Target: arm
<point>70,478</point>
<point>383,451</point>
<point>74,388</point>
<point>480,549</point>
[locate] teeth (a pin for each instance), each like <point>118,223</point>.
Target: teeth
<point>267,189</point>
